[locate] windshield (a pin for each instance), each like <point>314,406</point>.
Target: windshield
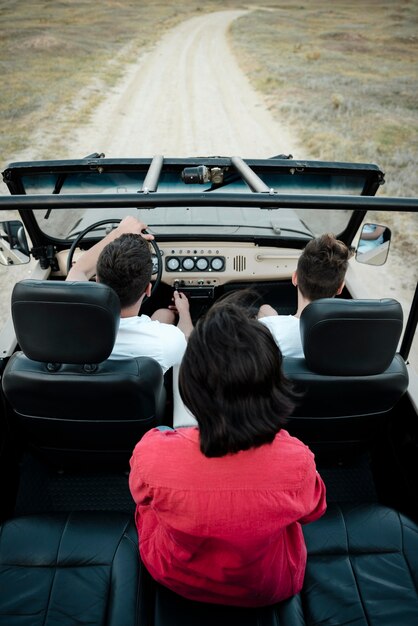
<point>194,221</point>
<point>212,177</point>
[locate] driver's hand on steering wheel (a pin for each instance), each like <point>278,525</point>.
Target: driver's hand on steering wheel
<point>131,224</point>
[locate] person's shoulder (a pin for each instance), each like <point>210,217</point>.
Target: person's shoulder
<point>284,328</point>
<point>294,457</point>
<point>279,320</point>
<point>164,328</point>
<point>284,442</point>
<point>160,453</point>
<point>160,328</point>
<point>134,321</point>
<point>168,437</point>
<point>171,336</point>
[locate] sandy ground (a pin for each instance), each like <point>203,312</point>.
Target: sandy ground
<point>188,97</point>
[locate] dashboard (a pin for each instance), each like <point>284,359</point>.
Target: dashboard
<point>216,263</point>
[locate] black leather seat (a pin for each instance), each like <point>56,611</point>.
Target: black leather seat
<point>65,397</point>
<point>84,568</point>
<point>66,569</point>
<point>362,571</point>
<point>351,376</point>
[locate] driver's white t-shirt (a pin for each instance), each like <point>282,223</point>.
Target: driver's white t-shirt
<point>141,336</point>
<point>286,332</point>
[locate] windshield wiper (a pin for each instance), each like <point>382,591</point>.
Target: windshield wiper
<point>62,178</point>
<point>75,234</point>
<point>277,230</point>
<point>58,186</point>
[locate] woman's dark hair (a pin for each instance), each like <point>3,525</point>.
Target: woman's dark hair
<point>125,265</point>
<point>249,300</point>
<point>231,380</point>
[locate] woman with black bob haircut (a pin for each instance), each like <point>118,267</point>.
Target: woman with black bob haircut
<point>219,506</point>
<point>231,380</point>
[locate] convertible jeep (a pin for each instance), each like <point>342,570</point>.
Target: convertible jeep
<point>70,417</point>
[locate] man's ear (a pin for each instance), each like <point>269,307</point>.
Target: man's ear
<point>295,279</point>
<point>340,288</point>
<point>148,290</point>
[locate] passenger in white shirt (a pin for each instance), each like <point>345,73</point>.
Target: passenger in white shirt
<point>320,273</point>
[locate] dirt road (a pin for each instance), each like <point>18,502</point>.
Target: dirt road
<point>187,97</point>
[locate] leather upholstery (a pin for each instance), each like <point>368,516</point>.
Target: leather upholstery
<point>363,565</point>
<point>84,568</point>
<point>66,569</point>
<point>42,309</point>
<point>362,570</point>
<point>351,376</point>
<point>83,410</point>
<point>350,337</point>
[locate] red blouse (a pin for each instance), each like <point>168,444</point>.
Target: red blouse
<point>225,530</point>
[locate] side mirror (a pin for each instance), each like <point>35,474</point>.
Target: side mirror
<point>373,245</point>
<point>14,249</point>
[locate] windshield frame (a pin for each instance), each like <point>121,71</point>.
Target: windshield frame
<point>227,178</point>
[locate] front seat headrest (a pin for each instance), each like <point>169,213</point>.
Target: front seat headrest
<point>350,337</point>
<point>65,322</point>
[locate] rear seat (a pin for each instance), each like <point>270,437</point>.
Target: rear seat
<point>84,568</point>
<point>69,568</point>
<point>362,570</point>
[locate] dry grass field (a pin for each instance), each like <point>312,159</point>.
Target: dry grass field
<point>345,75</point>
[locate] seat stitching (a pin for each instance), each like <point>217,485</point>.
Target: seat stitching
<point>353,571</point>
<point>121,538</point>
<point>55,570</point>
<point>403,554</point>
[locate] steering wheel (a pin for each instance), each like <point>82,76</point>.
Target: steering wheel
<point>157,262</point>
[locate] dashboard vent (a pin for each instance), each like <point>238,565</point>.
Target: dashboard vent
<point>240,263</point>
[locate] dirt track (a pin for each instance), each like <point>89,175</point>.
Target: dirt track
<point>187,97</point>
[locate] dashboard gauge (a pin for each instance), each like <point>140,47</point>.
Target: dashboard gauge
<point>173,263</point>
<point>188,263</point>
<point>217,264</point>
<point>202,263</point>
<point>154,261</point>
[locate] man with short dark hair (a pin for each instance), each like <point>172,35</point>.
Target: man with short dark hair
<point>122,260</point>
<point>320,273</point>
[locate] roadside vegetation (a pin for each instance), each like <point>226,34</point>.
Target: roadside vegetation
<point>344,75</point>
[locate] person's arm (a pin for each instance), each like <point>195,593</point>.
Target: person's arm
<point>181,306</point>
<point>314,497</point>
<point>85,267</point>
<point>374,234</point>
<point>266,310</point>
